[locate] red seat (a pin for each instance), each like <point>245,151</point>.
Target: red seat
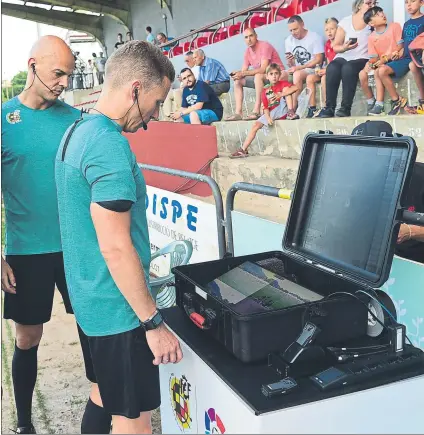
<point>220,35</point>
<point>234,29</point>
<point>187,46</point>
<point>308,5</point>
<point>177,50</point>
<point>201,41</point>
<point>257,20</point>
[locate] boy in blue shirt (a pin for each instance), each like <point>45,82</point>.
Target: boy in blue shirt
<point>200,104</point>
<point>398,68</point>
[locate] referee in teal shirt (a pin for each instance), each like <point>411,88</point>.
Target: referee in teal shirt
<point>102,210</point>
<point>33,124</point>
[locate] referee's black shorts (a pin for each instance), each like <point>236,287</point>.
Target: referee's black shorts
<point>122,365</point>
<point>36,278</point>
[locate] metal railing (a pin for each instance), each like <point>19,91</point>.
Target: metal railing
<point>220,223</point>
<point>80,81</point>
<point>408,217</point>
<point>260,7</point>
<point>264,7</point>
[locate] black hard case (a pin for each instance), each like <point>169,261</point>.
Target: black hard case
<point>340,237</point>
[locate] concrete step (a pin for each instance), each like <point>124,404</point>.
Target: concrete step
<point>405,86</point>
<point>285,139</point>
<point>269,171</point>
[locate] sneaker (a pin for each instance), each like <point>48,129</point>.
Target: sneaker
<point>420,107</point>
<point>25,429</point>
<point>342,113</point>
<point>370,106</point>
<point>311,111</point>
<point>239,154</point>
<point>291,115</point>
<point>377,110</point>
<point>397,105</point>
<point>326,112</point>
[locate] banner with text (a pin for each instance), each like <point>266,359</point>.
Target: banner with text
<point>172,217</point>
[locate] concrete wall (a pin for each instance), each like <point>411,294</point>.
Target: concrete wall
<point>187,15</point>
<point>111,28</point>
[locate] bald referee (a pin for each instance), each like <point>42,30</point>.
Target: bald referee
<point>33,124</point>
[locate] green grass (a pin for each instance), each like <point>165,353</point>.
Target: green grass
<point>8,382</point>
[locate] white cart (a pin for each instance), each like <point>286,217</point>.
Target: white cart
<point>200,397</point>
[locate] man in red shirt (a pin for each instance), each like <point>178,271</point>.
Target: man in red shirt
<point>278,104</point>
<point>258,56</point>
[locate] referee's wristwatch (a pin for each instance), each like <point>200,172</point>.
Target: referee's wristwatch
<point>153,321</point>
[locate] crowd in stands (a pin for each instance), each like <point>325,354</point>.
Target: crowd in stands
<point>357,47</point>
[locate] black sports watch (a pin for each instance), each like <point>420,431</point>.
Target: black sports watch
<point>153,322</point>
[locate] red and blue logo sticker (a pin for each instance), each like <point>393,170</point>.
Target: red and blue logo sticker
<point>213,424</point>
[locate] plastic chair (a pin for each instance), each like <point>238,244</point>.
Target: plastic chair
<point>177,50</point>
<point>234,29</point>
<point>258,20</point>
<point>163,287</point>
<point>218,36</point>
<point>201,41</point>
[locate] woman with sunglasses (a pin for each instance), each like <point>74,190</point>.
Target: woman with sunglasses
<point>351,46</point>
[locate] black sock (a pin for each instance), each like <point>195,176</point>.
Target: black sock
<point>24,374</point>
<point>95,419</point>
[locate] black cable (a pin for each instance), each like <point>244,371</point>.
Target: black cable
<point>113,119</point>
<point>362,302</point>
<point>180,189</point>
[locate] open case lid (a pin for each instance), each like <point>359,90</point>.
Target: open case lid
<point>347,203</point>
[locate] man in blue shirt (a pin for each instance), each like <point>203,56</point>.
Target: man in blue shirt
<point>102,201</point>
<point>200,103</point>
<point>33,124</point>
<point>212,72</point>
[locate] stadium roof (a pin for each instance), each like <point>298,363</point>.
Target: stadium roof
<point>84,15</point>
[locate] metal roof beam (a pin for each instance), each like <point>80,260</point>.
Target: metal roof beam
<point>119,10</point>
<point>86,23</point>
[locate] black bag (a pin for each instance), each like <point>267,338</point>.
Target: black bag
<point>340,238</point>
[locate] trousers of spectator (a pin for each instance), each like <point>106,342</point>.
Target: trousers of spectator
<point>348,73</point>
<point>172,102</point>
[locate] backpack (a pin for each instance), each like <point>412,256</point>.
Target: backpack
<point>416,48</point>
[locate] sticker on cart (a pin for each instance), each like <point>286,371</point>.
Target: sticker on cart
<point>180,390</point>
<point>213,424</point>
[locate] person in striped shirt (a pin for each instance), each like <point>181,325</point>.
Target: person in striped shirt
<point>212,72</point>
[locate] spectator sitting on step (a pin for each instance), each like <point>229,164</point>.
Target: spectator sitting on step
<point>411,30</point>
<point>416,67</point>
<point>150,38</point>
<point>212,72</point>
<point>385,44</point>
<point>411,237</point>
<point>258,56</point>
<point>278,104</point>
<point>319,76</point>
<point>200,104</point>
<point>174,98</point>
<point>351,46</point>
<point>119,42</point>
<point>304,51</point>
<point>128,37</point>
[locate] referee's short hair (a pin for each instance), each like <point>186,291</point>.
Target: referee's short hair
<point>138,60</point>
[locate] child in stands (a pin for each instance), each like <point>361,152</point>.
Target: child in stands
<point>277,103</point>
<point>330,30</point>
<point>385,44</point>
<point>397,68</point>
